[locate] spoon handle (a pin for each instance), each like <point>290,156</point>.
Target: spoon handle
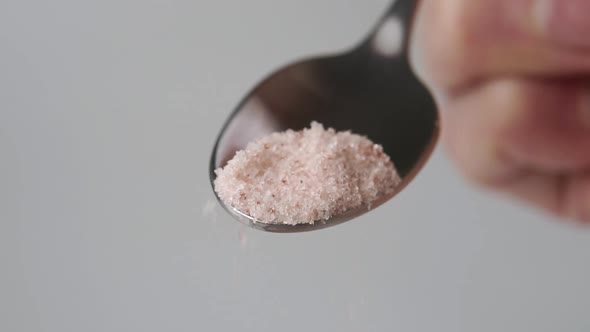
<point>399,12</point>
<point>401,9</point>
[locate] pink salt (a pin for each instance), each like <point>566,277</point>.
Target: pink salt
<point>306,176</point>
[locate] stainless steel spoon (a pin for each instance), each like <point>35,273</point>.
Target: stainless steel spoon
<point>370,90</point>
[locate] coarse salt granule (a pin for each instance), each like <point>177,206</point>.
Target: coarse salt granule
<point>305,176</point>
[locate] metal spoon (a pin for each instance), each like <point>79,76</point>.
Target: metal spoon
<point>370,90</point>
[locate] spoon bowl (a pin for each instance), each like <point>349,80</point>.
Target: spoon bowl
<point>370,90</point>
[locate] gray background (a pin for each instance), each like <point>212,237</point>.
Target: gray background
<point>108,112</point>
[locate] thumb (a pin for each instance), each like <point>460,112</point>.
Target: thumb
<point>456,43</point>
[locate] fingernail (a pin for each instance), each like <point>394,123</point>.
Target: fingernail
<point>566,22</point>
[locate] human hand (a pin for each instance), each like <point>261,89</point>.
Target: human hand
<point>512,80</point>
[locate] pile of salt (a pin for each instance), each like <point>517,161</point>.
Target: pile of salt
<point>306,176</point>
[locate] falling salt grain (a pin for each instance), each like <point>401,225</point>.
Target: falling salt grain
<point>307,176</point>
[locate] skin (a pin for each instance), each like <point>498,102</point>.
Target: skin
<point>512,81</point>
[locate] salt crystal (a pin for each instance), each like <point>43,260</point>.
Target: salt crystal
<point>301,177</point>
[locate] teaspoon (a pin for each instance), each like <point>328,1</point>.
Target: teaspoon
<point>370,90</point>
